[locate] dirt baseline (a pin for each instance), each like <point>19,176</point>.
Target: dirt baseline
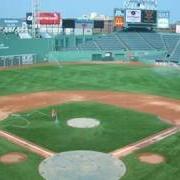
<point>167,109</point>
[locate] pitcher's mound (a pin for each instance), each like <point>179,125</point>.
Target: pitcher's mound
<point>12,158</point>
<point>151,158</point>
<point>83,123</point>
<point>82,165</point>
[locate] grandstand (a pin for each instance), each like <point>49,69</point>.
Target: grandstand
<point>134,41</point>
<point>146,46</point>
<point>175,56</point>
<point>168,43</point>
<point>153,39</point>
<point>109,42</point>
<point>92,45</point>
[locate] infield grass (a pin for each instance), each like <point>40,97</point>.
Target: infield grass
<point>119,127</point>
<point>26,170</point>
<point>161,81</point>
<point>169,170</point>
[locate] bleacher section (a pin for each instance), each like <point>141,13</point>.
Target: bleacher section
<point>176,53</point>
<point>130,41</point>
<point>166,43</point>
<point>109,42</point>
<point>154,40</point>
<point>88,46</point>
<point>170,41</point>
<point>134,41</point>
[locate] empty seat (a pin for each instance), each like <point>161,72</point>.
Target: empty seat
<point>170,42</point>
<point>134,41</point>
<point>154,39</point>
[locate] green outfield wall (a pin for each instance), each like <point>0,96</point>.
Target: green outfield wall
<point>83,55</point>
<point>16,46</point>
<point>144,56</point>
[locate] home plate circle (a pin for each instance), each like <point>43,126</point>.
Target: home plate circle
<point>83,123</point>
<point>82,165</point>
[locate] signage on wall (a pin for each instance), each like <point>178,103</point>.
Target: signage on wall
<point>133,16</point>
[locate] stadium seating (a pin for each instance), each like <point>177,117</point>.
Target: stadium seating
<point>176,53</point>
<point>170,41</point>
<point>134,41</point>
<point>88,46</point>
<point>164,43</point>
<point>109,42</point>
<point>154,40</point>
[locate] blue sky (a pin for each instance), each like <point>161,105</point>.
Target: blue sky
<point>75,8</point>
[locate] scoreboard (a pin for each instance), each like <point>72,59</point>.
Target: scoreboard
<point>135,18</point>
<point>140,18</point>
<point>149,16</point>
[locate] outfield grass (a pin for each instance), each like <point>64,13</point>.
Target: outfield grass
<point>170,170</point>
<point>162,81</point>
<point>118,128</point>
<point>26,170</point>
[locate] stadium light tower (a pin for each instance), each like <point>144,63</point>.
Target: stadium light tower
<point>35,13</point>
<point>141,4</point>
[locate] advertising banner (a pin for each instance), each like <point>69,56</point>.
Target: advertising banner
<point>27,59</point>
<point>83,24</point>
<point>163,23</point>
<point>163,19</point>
<point>47,18</point>
<point>149,16</point>
<point>29,18</point>
<point>178,28</point>
<point>133,16</point>
<point>119,12</point>
<point>119,21</point>
<point>11,22</point>
<point>68,23</point>
<point>44,18</point>
<point>99,24</point>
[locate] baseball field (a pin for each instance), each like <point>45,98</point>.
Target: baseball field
<point>131,102</point>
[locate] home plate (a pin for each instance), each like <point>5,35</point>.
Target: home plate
<point>82,165</point>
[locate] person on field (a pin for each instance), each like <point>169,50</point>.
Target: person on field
<point>54,115</point>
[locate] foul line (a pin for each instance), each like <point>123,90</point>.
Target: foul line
<point>45,153</point>
<point>26,144</point>
<point>145,142</point>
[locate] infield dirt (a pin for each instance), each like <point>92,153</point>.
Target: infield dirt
<point>165,108</point>
<point>151,158</point>
<point>13,158</point>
